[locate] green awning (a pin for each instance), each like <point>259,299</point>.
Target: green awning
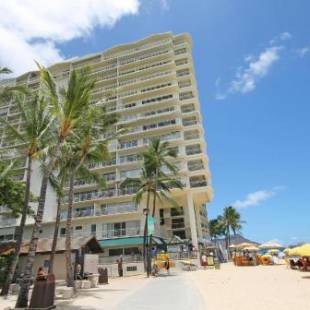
<point>127,241</point>
<point>120,242</point>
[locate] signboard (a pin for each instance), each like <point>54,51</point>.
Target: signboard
<point>151,225</point>
<point>91,262</point>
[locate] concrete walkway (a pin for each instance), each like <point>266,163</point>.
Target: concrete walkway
<point>165,293</point>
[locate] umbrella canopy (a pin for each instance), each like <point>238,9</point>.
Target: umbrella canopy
<point>271,245</point>
<point>303,250</point>
<point>286,250</point>
<point>272,251</point>
<point>244,245</point>
<point>232,246</point>
<point>251,248</point>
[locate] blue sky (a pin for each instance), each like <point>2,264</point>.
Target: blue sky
<point>252,61</point>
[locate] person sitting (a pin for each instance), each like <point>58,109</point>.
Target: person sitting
<point>41,274</point>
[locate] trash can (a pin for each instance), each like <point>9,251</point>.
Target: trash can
<point>103,276</point>
<point>43,293</point>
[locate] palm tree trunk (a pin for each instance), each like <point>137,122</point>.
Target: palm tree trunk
<point>19,232</point>
<point>22,300</point>
<point>145,234</point>
<point>54,243</point>
<point>70,279</point>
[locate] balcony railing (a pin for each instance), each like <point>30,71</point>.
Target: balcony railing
<point>116,209</point>
<point>94,195</point>
<point>122,232</point>
<point>198,183</point>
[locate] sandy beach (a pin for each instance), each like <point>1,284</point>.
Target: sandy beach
<point>253,288</point>
<point>230,288</point>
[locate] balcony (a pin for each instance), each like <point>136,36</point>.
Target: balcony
<point>189,121</point>
<point>111,209</point>
<point>186,95</point>
<point>195,165</point>
<point>199,181</point>
<point>95,195</point>
<point>7,221</point>
<point>193,149</point>
<point>122,232</point>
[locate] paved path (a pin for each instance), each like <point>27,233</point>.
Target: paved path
<point>165,293</point>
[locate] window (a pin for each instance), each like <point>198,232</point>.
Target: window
<point>176,211</point>
<point>161,216</point>
<point>177,223</point>
<point>189,121</point>
<point>78,227</point>
<point>93,229</point>
<point>180,233</point>
<point>115,252</point>
<point>131,251</point>
<point>62,231</point>
<point>193,149</point>
<point>132,268</point>
<point>46,263</point>
<point>128,144</point>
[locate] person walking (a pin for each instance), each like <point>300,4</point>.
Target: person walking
<point>167,265</point>
<point>204,261</point>
<point>120,267</point>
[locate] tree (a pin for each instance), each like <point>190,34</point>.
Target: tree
<point>68,106</point>
<point>216,228</point>
<point>84,148</point>
<point>8,92</point>
<point>57,182</point>
<point>29,141</point>
<point>232,222</point>
<point>153,182</point>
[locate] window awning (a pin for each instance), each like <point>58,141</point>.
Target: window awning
<point>127,241</point>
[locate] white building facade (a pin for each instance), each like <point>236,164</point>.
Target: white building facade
<point>151,84</point>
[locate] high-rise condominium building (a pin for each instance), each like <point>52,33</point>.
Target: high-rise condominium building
<point>151,84</point>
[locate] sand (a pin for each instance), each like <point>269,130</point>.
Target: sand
<point>249,288</point>
<point>230,288</point>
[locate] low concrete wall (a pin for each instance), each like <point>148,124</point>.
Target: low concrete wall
<point>129,269</point>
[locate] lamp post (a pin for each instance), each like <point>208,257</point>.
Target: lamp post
<point>146,242</point>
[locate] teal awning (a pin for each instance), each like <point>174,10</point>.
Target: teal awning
<point>120,242</point>
<point>127,241</point>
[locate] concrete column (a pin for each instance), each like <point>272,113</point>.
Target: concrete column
<point>192,219</point>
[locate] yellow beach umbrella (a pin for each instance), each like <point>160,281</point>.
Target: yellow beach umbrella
<point>293,251</point>
<point>286,251</point>
<point>303,250</point>
<point>244,245</point>
<point>273,251</point>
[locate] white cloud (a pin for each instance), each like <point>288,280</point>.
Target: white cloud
<point>255,198</point>
<point>31,29</point>
<point>285,36</point>
<point>301,52</point>
<point>247,78</point>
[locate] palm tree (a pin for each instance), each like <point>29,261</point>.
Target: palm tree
<point>216,228</point>
<point>84,148</point>
<point>8,92</point>
<point>154,182</point>
<point>157,157</point>
<point>29,141</point>
<point>68,106</point>
<point>232,222</point>
<point>57,182</point>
